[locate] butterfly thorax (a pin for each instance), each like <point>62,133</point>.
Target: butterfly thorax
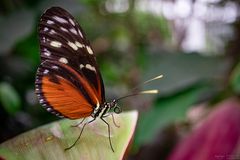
<point>102,109</point>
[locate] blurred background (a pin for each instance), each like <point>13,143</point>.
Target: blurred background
<point>195,44</point>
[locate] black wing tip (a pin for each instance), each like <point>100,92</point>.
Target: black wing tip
<point>55,9</point>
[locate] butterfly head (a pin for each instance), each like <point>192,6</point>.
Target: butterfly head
<point>114,106</point>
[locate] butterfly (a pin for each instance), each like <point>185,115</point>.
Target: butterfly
<point>68,81</point>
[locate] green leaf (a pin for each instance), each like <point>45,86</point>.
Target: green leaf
<point>183,70</point>
<point>49,141</point>
<point>166,111</point>
<point>9,98</point>
<point>235,79</point>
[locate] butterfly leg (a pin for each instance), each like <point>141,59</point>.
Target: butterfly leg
<point>76,125</point>
<point>79,134</point>
<point>114,122</point>
<point>108,132</point>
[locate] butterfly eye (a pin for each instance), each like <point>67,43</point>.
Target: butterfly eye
<point>117,109</point>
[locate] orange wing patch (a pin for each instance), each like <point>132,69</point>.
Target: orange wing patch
<point>65,98</point>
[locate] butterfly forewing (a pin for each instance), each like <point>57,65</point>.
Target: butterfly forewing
<point>63,44</point>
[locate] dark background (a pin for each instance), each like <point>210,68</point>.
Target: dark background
<point>193,43</point>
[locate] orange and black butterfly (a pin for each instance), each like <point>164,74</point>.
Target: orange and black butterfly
<point>68,81</point>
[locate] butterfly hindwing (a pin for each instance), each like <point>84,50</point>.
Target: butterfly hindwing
<point>63,91</point>
<point>68,81</point>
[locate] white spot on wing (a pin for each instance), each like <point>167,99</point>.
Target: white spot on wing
<point>45,29</point>
<point>73,30</point>
<point>52,31</point>
<point>60,19</point>
<point>89,50</point>
<point>88,66</point>
<point>53,112</point>
<point>47,53</point>
<point>56,44</point>
<point>63,60</point>
<point>79,44</point>
<point>45,71</point>
<point>64,29</point>
<point>80,33</point>
<point>81,66</point>
<point>50,22</point>
<point>45,49</point>
<point>71,21</point>
<point>54,67</point>
<point>44,39</point>
<point>73,46</point>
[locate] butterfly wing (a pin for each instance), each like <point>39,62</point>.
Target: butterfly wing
<point>63,44</point>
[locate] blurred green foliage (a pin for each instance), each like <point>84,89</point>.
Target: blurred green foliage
<point>131,47</point>
<point>9,98</point>
<point>235,79</point>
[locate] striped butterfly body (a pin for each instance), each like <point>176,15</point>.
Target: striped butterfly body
<point>68,82</point>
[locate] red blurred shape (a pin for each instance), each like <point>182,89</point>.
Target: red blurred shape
<point>216,139</point>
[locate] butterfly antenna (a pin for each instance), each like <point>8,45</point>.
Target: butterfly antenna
<point>153,91</point>
<point>147,81</point>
